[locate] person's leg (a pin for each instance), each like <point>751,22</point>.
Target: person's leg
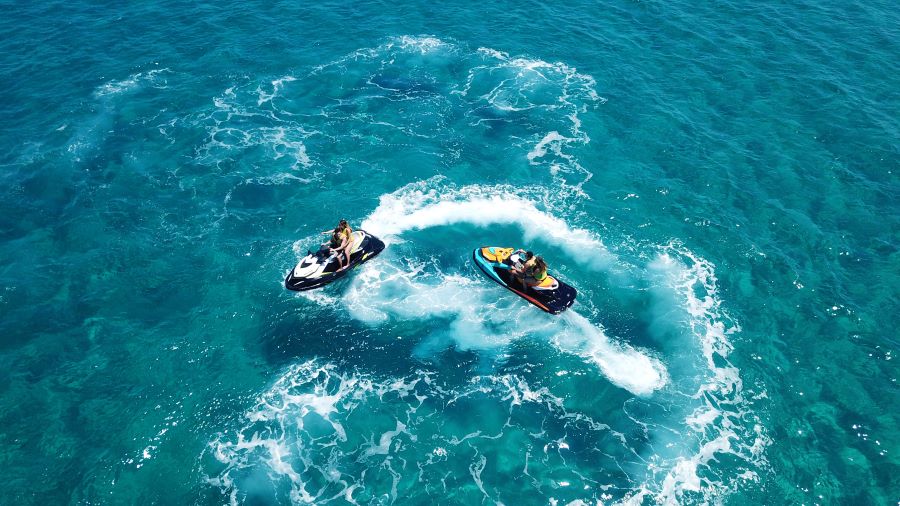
<point>522,282</point>
<point>340,256</point>
<point>347,255</point>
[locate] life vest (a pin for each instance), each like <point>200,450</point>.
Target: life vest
<point>337,237</point>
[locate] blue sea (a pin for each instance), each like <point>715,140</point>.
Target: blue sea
<point>719,181</point>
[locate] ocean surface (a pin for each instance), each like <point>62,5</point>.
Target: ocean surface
<point>718,180</point>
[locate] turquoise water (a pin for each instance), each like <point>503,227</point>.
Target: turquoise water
<point>718,181</point>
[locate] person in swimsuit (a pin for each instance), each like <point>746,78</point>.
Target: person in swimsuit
<point>524,269</point>
<point>347,233</point>
<point>341,241</point>
<point>535,273</point>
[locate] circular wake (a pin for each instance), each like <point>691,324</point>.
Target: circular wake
<point>583,417</point>
<point>385,291</point>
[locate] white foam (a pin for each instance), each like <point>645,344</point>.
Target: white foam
<point>384,290</point>
<point>235,126</point>
<point>510,85</point>
<point>493,53</point>
<point>384,443</point>
<point>279,139</point>
<point>430,204</point>
<point>523,83</point>
<point>132,82</point>
<point>552,140</point>
<point>277,85</point>
<point>317,296</point>
<point>281,438</point>
<point>476,323</point>
<point>633,370</point>
<point>716,421</point>
<point>422,43</point>
<point>275,439</point>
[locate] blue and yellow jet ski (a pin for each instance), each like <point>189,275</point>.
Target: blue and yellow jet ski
<point>320,268</point>
<point>551,295</point>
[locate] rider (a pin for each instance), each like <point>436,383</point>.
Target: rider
<point>341,241</point>
<point>524,271</point>
<point>536,273</point>
<point>532,272</point>
<point>519,258</point>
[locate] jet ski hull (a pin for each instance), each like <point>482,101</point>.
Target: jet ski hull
<point>321,268</point>
<point>553,301</point>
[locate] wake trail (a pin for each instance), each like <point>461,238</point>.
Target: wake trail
<point>403,293</point>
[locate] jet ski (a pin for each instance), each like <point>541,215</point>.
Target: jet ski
<point>551,295</point>
<point>320,268</point>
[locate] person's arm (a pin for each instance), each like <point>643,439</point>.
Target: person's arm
<point>336,248</point>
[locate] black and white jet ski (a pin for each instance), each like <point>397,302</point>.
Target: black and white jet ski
<point>320,268</point>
